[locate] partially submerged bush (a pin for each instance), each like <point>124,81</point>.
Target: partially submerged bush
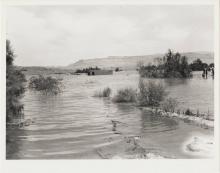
<point>125,95</point>
<point>46,85</point>
<point>106,92</point>
<point>151,93</point>
<point>188,112</point>
<point>169,105</point>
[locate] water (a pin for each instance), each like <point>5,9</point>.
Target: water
<point>76,125</point>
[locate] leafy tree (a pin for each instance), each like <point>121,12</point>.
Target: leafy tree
<point>211,65</point>
<point>14,86</point>
<point>198,65</point>
<point>172,65</point>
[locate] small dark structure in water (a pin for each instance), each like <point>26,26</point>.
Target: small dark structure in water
<point>100,72</point>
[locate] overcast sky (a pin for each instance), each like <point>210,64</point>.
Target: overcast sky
<point>60,35</point>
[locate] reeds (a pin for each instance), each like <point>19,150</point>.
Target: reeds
<point>106,92</point>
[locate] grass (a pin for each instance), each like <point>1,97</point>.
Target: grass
<point>125,95</point>
<point>106,92</point>
<point>45,85</point>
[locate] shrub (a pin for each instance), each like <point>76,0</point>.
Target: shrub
<point>150,93</point>
<point>125,95</point>
<point>151,72</point>
<point>105,93</point>
<point>46,85</point>
<point>188,112</point>
<point>169,105</point>
<point>198,65</point>
<point>14,87</point>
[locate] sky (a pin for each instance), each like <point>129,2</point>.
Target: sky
<point>61,35</point>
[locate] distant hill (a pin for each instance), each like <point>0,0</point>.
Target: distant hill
<point>130,62</point>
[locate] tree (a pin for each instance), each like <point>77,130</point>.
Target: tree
<point>197,65</point>
<point>211,65</point>
<point>176,65</point>
<point>172,65</point>
<point>185,70</point>
<point>14,86</point>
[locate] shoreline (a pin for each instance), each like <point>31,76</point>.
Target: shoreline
<point>207,123</point>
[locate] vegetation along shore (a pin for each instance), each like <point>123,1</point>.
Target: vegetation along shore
<point>153,95</point>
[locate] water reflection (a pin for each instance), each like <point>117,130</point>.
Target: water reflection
<point>175,82</point>
<point>152,123</point>
<point>14,143</point>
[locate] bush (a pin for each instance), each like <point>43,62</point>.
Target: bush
<point>150,93</point>
<point>46,85</point>
<point>151,72</point>
<point>198,65</point>
<point>105,93</point>
<point>188,112</point>
<point>169,105</point>
<point>125,95</point>
<point>15,81</point>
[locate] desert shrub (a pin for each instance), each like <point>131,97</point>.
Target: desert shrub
<point>46,85</point>
<point>15,81</point>
<point>125,95</point>
<point>169,105</point>
<point>106,92</point>
<point>150,93</point>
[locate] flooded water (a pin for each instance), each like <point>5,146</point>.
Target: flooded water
<point>76,125</point>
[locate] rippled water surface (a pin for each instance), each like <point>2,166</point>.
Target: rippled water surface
<point>76,125</point>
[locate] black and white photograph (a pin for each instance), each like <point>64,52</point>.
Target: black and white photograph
<point>107,82</point>
<point>110,81</point>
